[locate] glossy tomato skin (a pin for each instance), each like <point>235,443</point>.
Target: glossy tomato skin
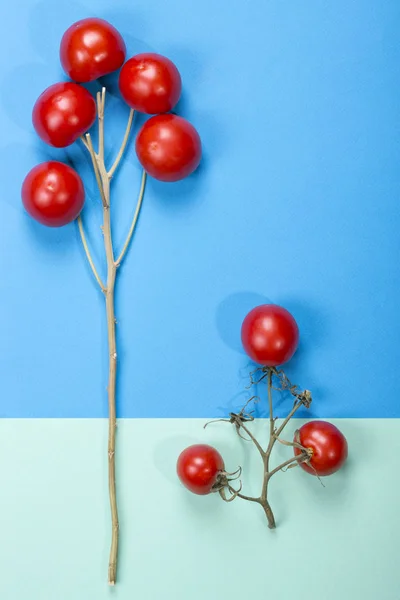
<point>168,147</point>
<point>62,113</point>
<point>328,445</point>
<point>91,48</point>
<point>150,83</point>
<point>270,335</point>
<point>198,468</point>
<point>53,194</point>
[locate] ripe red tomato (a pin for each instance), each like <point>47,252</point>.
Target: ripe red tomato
<point>198,468</point>
<point>328,445</point>
<point>62,113</point>
<point>150,83</point>
<point>270,335</point>
<point>168,147</point>
<point>53,194</point>
<point>91,48</point>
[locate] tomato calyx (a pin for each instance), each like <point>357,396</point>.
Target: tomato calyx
<point>223,483</point>
<point>305,454</point>
<point>297,444</point>
<point>285,385</point>
<point>238,419</point>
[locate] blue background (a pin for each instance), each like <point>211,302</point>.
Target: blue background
<point>296,202</point>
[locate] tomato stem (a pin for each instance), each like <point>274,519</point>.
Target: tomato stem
<point>295,459</point>
<point>103,178</point>
<point>302,398</point>
<point>253,439</point>
<point>123,145</point>
<point>134,220</point>
<point>89,256</point>
<point>268,513</point>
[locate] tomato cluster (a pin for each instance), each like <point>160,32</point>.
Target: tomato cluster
<point>168,147</point>
<point>270,337</point>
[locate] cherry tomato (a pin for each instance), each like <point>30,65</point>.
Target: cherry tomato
<point>198,468</point>
<point>328,445</point>
<point>150,83</point>
<point>91,48</point>
<point>53,194</point>
<point>62,113</point>
<point>270,335</point>
<point>168,147</point>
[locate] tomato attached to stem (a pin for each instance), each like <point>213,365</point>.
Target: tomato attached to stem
<point>327,444</point>
<point>199,467</point>
<point>270,335</point>
<point>53,194</point>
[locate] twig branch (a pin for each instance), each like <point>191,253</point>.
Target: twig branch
<point>95,164</point>
<point>252,437</point>
<point>123,145</point>
<point>239,420</point>
<point>103,181</point>
<point>290,415</point>
<point>88,255</point>
<point>248,498</point>
<point>112,343</point>
<point>134,221</point>
<point>101,101</point>
<point>298,459</point>
<point>84,142</point>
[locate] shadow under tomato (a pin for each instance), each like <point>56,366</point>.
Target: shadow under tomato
<point>180,197</point>
<point>230,314</point>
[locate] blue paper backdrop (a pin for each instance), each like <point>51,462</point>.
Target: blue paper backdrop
<point>296,202</point>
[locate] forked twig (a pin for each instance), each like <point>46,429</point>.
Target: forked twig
<point>244,417</point>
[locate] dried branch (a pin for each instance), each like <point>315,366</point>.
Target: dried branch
<point>240,420</point>
<point>134,221</point>
<point>89,256</point>
<point>103,182</point>
<point>123,145</point>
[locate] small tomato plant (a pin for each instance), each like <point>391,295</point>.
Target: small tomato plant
<point>270,337</point>
<point>168,147</point>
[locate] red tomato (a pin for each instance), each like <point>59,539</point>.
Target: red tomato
<point>62,113</point>
<point>168,147</point>
<point>150,83</point>
<point>270,335</point>
<point>91,48</point>
<point>53,194</point>
<point>198,468</point>
<point>328,445</point>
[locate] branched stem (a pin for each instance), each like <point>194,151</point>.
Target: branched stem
<point>96,162</point>
<point>134,220</point>
<point>103,181</point>
<point>84,142</point>
<point>249,498</point>
<point>286,421</point>
<point>101,101</point>
<point>104,187</point>
<point>253,439</point>
<point>239,420</point>
<point>123,145</point>
<point>89,256</point>
<point>295,459</point>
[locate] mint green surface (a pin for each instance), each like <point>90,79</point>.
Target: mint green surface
<point>338,542</point>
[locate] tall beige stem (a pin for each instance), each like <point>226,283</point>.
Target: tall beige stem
<point>103,179</point>
<point>102,175</point>
<point>112,374</point>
